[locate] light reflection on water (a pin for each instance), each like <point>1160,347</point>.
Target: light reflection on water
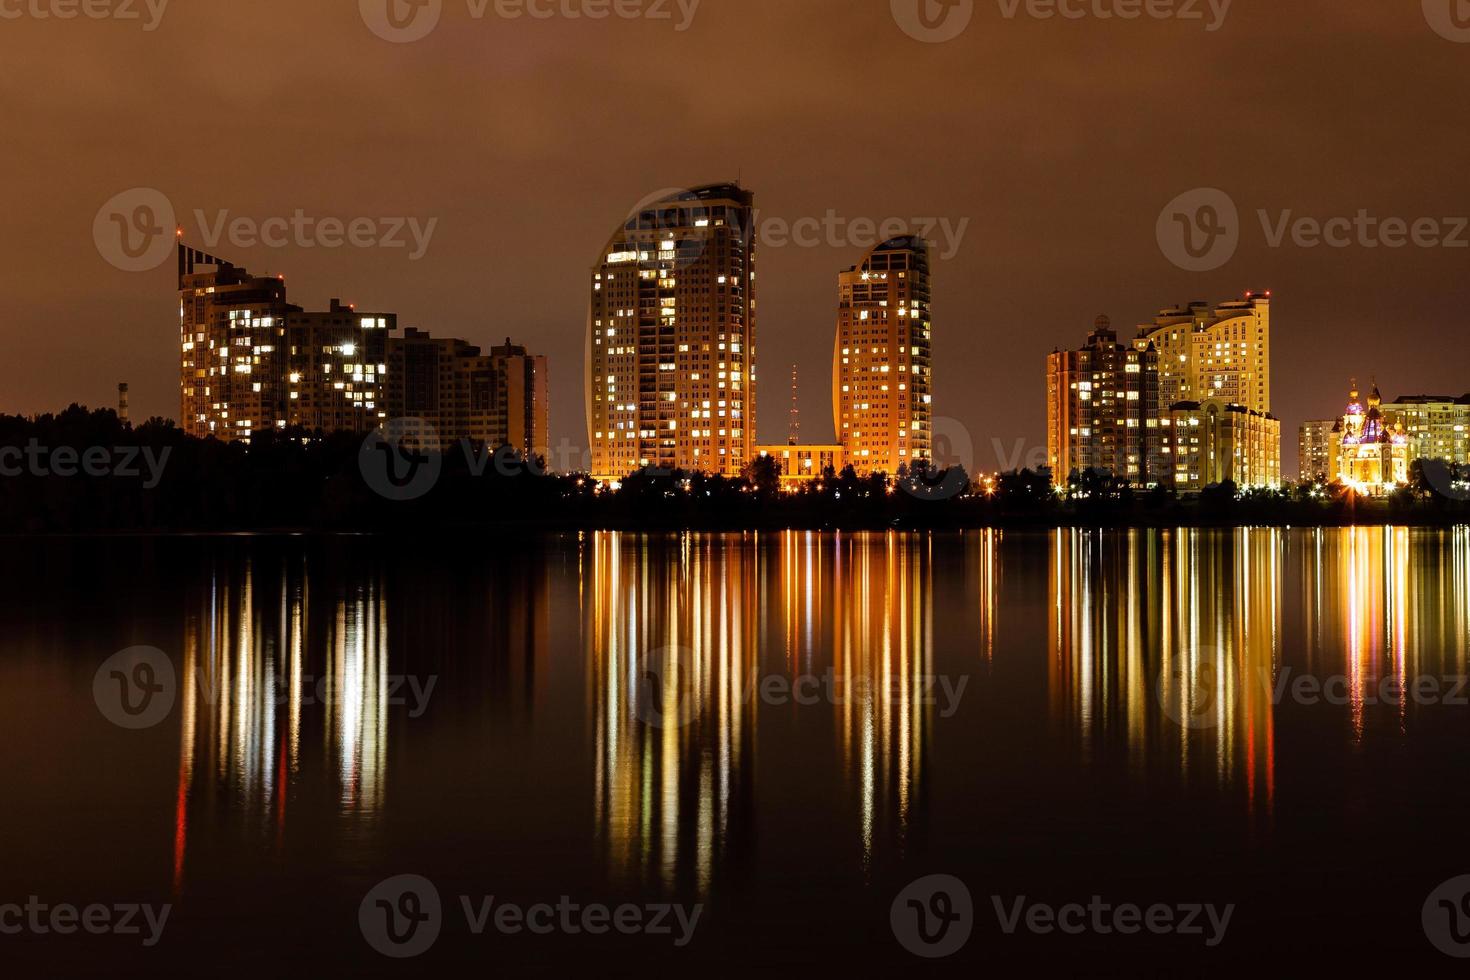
<point>251,663</point>
<point>1158,651</point>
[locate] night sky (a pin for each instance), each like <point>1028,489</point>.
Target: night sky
<point>1059,142</point>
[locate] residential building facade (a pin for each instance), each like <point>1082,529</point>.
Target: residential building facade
<point>1102,410</point>
<point>882,364</point>
<point>1213,442</point>
<point>671,337</point>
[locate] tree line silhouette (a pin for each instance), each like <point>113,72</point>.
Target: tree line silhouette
<point>296,480</point>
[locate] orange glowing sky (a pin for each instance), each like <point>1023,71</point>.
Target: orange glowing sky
<point>1059,141</point>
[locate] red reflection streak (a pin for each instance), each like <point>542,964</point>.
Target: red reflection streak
<point>181,826</point>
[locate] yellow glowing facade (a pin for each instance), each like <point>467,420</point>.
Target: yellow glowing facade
<point>1437,426</point>
<point>1215,442</point>
<point>882,373</point>
<point>671,338</point>
<point>1213,352</point>
<point>804,464</point>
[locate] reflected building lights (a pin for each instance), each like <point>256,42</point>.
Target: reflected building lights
<point>1167,645</point>
<point>255,677</point>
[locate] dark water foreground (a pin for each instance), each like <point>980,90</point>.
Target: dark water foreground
<point>1162,751</point>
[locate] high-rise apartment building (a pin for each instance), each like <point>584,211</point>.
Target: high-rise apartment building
<point>882,368</point>
<point>1102,409</point>
<point>671,355</point>
<point>252,362</point>
<point>522,400</point>
<point>1212,442</point>
<point>1316,454</point>
<point>1437,426</point>
<point>1213,352</point>
<point>337,369</point>
<point>232,332</point>
<point>445,390</point>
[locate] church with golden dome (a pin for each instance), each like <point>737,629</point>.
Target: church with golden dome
<point>1372,453</point>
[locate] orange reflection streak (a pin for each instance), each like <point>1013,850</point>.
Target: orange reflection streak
<point>670,627</point>
<point>1167,644</point>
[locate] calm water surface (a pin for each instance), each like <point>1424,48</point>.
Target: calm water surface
<point>787,729</point>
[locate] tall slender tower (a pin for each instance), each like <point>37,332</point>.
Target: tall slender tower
<point>795,436</point>
<point>881,364</point>
<point>671,337</point>
<point>122,403</point>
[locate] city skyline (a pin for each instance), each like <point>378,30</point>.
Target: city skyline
<point>1061,208</point>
